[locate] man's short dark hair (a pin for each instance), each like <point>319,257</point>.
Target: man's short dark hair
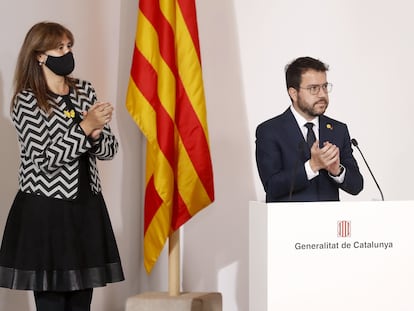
<point>296,68</point>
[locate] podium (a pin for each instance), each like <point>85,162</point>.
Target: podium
<point>331,256</point>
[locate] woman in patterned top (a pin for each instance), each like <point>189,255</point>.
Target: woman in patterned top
<point>58,240</point>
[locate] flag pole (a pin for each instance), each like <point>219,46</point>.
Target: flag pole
<point>174,263</point>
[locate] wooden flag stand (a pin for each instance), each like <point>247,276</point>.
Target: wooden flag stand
<point>174,300</point>
<point>174,263</point>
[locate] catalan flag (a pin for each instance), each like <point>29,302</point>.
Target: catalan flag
<point>166,99</point>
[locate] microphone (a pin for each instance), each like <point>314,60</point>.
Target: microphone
<point>355,143</point>
<point>295,169</point>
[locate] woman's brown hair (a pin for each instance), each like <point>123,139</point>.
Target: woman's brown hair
<point>29,75</point>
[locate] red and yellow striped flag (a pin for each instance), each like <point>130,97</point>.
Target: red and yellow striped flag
<point>166,99</point>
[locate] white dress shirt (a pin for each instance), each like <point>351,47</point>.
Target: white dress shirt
<point>301,123</point>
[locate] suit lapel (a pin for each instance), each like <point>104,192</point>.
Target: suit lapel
<point>294,133</point>
<point>326,130</point>
<point>291,127</point>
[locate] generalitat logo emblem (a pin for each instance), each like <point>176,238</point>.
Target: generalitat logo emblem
<point>344,229</point>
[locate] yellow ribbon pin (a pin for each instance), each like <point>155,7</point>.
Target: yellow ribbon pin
<point>69,114</point>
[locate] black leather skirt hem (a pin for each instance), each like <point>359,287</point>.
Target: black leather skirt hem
<point>68,280</point>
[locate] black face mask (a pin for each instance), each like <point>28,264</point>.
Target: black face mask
<point>61,65</point>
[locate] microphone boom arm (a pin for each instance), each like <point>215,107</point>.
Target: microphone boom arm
<point>355,143</point>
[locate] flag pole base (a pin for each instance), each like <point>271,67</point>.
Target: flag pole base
<point>161,301</point>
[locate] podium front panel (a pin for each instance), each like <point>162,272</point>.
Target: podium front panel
<point>331,256</point>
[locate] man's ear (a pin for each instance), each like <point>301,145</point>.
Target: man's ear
<point>293,93</point>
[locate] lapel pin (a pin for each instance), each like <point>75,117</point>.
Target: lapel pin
<point>69,114</point>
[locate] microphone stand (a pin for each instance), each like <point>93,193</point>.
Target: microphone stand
<point>355,143</point>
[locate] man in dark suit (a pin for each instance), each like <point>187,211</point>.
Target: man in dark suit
<point>289,169</point>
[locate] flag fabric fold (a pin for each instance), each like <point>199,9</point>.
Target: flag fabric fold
<point>166,99</point>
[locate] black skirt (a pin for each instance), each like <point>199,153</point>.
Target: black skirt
<point>59,245</point>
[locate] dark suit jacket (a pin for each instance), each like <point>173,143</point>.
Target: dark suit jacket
<point>281,152</point>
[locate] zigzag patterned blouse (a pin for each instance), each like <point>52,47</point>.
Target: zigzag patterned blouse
<point>52,143</point>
